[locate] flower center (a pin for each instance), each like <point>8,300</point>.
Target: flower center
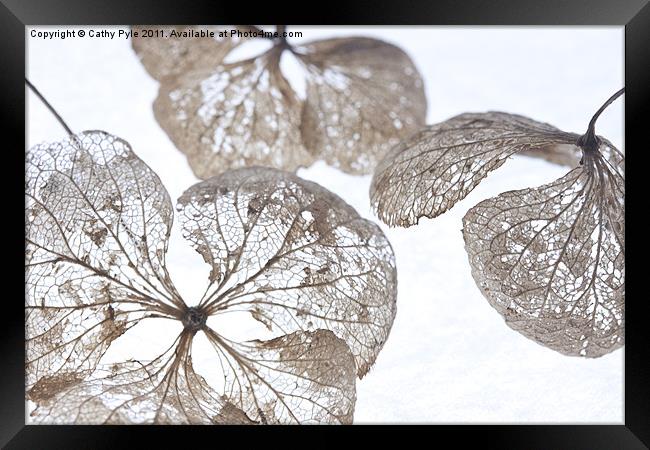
<point>194,319</point>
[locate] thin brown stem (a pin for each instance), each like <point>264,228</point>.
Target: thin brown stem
<point>47,104</point>
<point>592,122</point>
<point>588,141</point>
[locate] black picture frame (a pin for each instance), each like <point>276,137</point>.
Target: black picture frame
<point>16,14</point>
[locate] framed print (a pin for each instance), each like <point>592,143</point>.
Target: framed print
<point>414,215</point>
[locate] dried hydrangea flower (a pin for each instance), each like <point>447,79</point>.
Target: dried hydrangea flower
<point>292,254</point>
<point>363,95</point>
<point>549,259</point>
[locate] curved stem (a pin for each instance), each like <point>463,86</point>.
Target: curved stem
<point>52,110</point>
<point>588,141</point>
<point>592,122</point>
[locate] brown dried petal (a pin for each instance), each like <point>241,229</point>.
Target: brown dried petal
<point>304,377</point>
<point>163,391</point>
<point>295,255</point>
<point>234,115</point>
<point>97,222</point>
<point>363,96</point>
<point>551,259</point>
<point>166,56</point>
<point>429,172</point>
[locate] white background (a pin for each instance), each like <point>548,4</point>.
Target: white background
<point>450,358</point>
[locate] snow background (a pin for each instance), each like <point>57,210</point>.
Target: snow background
<point>450,358</point>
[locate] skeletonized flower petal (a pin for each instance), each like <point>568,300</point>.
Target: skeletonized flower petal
<point>305,377</point>
<point>97,222</point>
<point>551,259</point>
<point>232,116</point>
<point>363,96</point>
<point>293,254</point>
<point>429,172</point>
